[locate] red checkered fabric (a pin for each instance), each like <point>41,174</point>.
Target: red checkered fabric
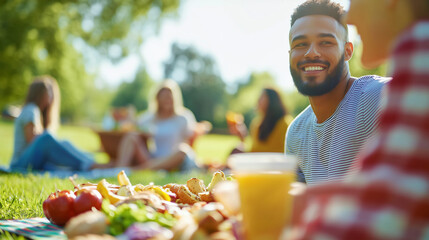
<point>389,197</point>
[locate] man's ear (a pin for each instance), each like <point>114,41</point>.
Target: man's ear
<point>348,51</point>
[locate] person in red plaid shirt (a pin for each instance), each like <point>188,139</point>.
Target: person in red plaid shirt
<point>389,197</point>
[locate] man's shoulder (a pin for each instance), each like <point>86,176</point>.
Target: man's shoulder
<point>371,83</point>
<point>302,119</point>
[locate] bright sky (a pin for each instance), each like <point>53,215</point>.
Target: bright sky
<point>241,35</point>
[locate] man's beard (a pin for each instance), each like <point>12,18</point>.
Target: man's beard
<point>326,86</point>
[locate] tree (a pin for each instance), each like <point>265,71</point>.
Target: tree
<point>134,93</point>
<point>245,99</point>
<point>42,37</point>
<point>202,87</point>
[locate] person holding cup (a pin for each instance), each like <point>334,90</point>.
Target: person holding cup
<point>268,129</point>
<point>389,197</point>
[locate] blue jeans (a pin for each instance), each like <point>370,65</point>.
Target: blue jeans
<point>46,153</point>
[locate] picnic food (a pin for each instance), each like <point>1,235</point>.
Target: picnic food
<point>186,196</point>
<point>58,207</point>
<point>86,200</point>
<point>172,211</point>
<point>86,223</point>
<point>218,177</point>
<point>196,185</point>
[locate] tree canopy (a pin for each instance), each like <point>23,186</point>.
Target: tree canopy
<point>56,37</point>
<point>135,93</point>
<point>202,87</point>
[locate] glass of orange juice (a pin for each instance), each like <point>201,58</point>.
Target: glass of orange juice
<point>233,118</point>
<point>264,180</point>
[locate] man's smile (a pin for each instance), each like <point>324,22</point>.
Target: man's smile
<point>313,67</point>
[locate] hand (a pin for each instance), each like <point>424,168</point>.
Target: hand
<point>203,127</point>
<point>239,130</point>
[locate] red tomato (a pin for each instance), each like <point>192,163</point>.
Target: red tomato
<point>86,199</point>
<point>58,207</point>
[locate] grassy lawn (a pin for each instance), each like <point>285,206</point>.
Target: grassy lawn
<point>21,196</point>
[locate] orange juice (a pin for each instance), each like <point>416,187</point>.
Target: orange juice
<point>265,203</point>
<point>233,118</point>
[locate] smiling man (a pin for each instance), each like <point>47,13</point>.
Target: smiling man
<point>389,197</point>
<point>344,110</point>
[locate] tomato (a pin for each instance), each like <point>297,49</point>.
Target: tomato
<point>86,199</point>
<point>58,207</point>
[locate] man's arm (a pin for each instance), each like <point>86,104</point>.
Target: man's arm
<point>288,151</point>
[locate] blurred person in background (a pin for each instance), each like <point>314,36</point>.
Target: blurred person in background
<point>389,197</point>
<point>344,111</point>
<point>35,146</point>
<point>170,125</point>
<point>268,129</point>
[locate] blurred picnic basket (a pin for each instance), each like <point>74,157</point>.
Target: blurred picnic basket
<point>110,141</point>
<point>117,123</point>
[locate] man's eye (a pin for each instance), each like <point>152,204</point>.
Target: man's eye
<point>300,45</point>
<point>326,43</point>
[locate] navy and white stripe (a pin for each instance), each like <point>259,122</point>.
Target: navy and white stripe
<point>327,151</point>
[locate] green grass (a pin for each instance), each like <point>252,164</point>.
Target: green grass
<point>21,196</point>
<point>6,142</point>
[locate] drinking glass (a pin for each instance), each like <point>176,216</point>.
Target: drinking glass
<point>264,181</point>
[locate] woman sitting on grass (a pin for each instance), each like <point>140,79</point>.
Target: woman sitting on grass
<point>171,127</point>
<point>35,148</point>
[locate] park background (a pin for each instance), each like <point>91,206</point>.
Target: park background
<point>110,53</point>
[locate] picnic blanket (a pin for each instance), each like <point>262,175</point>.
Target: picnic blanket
<point>33,228</point>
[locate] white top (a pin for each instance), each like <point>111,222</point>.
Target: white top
<point>30,114</point>
<point>167,134</point>
<point>327,151</point>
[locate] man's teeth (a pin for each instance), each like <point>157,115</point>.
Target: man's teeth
<point>313,68</point>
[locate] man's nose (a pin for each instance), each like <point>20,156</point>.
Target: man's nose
<point>312,52</point>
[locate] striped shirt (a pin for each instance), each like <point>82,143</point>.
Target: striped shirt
<point>326,151</point>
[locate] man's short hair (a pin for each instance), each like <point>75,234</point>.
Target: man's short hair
<point>321,7</point>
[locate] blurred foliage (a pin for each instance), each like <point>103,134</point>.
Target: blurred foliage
<point>134,93</point>
<point>295,102</point>
<point>356,67</point>
<point>202,87</point>
<point>42,37</point>
<point>97,103</point>
<point>245,99</point>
